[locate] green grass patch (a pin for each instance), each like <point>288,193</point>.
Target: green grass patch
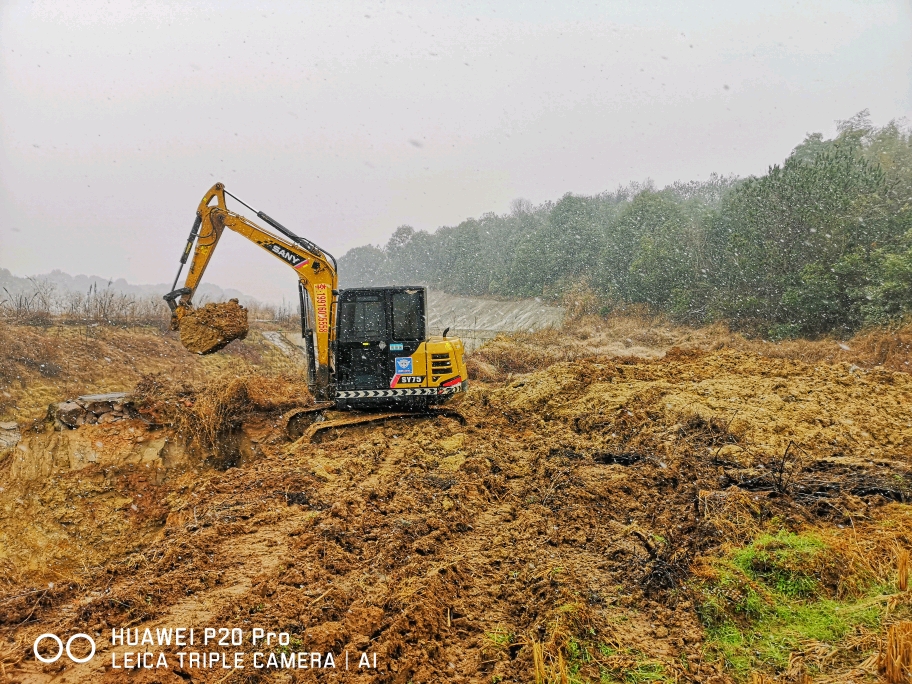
<point>499,638</point>
<point>772,594</point>
<point>787,562</point>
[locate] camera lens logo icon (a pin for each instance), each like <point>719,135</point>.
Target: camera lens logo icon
<point>61,648</point>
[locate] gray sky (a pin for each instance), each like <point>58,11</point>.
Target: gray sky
<point>344,120</point>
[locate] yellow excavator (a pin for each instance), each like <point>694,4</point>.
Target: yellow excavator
<point>367,349</point>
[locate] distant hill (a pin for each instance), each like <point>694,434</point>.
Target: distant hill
<point>64,282</point>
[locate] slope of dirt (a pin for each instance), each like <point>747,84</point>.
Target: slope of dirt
<point>549,538</point>
<point>41,365</point>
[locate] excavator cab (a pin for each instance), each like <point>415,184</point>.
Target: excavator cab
<point>383,355</point>
<point>375,327</point>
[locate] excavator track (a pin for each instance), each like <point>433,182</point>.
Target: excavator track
<point>296,421</point>
<point>311,433</point>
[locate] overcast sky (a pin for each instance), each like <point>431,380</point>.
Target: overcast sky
<point>344,120</point>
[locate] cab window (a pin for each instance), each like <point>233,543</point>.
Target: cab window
<point>408,315</point>
<point>362,320</point>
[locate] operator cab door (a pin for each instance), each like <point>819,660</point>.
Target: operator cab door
<point>378,329</point>
<point>407,315</point>
<point>361,343</point>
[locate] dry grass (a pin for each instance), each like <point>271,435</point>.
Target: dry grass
<point>902,569</point>
<point>208,411</point>
<point>42,365</point>
<point>895,661</point>
<point>649,337</point>
<point>889,348</point>
<point>46,305</point>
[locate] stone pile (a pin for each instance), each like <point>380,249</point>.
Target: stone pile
<point>93,409</point>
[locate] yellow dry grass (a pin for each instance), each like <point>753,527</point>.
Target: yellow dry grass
<point>41,365</point>
<point>895,662</point>
<point>649,337</point>
<point>902,569</point>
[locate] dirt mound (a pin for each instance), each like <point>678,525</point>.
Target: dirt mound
<point>207,412</point>
<point>120,467</point>
<point>212,327</point>
<point>566,532</point>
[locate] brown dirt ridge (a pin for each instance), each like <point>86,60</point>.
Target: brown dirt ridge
<point>565,533</point>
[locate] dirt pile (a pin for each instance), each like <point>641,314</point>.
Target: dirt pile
<point>85,485</point>
<point>213,326</point>
<point>207,413</point>
<point>40,366</point>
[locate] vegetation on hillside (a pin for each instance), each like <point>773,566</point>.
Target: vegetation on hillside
<point>822,243</point>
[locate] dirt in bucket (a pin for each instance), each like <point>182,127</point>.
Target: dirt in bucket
<point>213,326</point>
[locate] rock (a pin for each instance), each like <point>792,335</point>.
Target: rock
<point>9,435</point>
<point>110,397</point>
<point>98,407</point>
<point>69,413</point>
<point>105,418</point>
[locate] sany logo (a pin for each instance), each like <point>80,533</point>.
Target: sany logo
<point>61,649</point>
<point>289,256</point>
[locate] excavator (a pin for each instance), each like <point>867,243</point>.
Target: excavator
<point>368,350</point>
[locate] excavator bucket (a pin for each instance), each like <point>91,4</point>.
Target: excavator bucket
<point>213,326</point>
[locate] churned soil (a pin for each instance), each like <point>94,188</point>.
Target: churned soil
<point>211,327</point>
<point>551,537</point>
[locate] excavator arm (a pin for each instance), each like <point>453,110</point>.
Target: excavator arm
<point>315,268</point>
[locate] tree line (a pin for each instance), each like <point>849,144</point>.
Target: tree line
<point>821,243</point>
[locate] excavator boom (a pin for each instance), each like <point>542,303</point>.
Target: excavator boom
<point>315,269</point>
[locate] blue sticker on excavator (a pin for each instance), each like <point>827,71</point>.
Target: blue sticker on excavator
<point>403,365</point>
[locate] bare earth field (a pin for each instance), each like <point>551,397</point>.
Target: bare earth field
<point>627,501</point>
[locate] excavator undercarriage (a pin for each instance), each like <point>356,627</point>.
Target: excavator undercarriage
<point>309,424</point>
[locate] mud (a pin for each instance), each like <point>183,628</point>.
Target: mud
<point>564,517</point>
<point>213,326</point>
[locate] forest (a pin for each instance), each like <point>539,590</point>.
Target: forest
<point>820,244</point>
